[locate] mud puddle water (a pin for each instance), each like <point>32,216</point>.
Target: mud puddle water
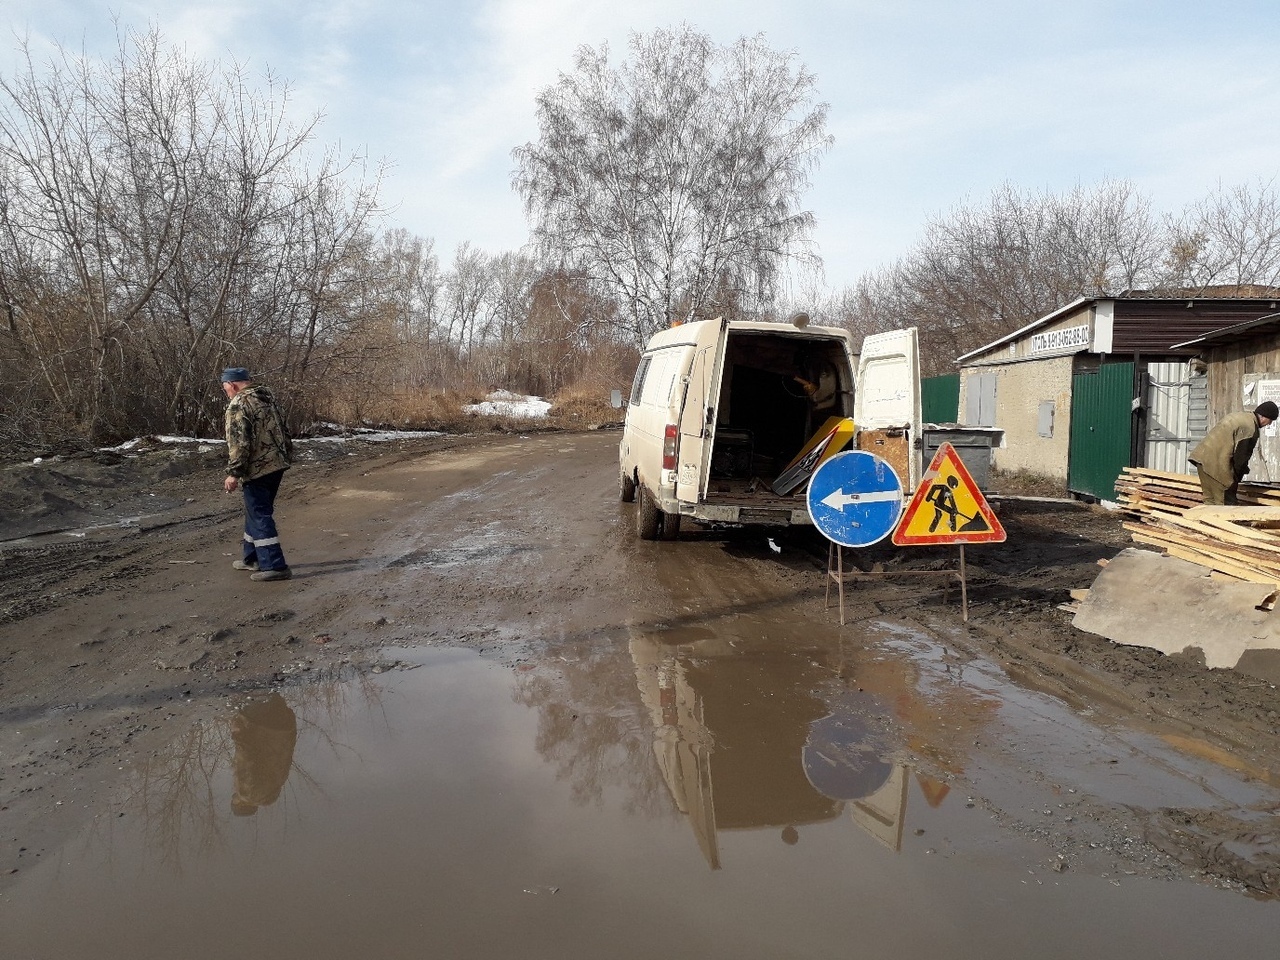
<point>664,793</point>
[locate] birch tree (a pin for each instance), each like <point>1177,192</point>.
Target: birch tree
<point>676,174</point>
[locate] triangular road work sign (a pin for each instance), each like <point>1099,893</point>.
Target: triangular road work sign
<point>947,507</point>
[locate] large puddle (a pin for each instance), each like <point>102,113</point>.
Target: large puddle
<point>663,794</point>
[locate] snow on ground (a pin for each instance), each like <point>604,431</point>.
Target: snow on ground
<point>366,434</point>
<point>502,403</point>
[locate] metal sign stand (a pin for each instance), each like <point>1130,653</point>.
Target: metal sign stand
<point>836,572</point>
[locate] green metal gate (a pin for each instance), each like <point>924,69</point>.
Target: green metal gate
<point>940,399</point>
<point>1101,429</point>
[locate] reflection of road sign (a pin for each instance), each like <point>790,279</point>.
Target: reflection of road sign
<point>854,499</point>
<point>831,438</point>
<point>948,507</point>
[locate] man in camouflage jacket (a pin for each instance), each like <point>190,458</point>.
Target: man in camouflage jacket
<point>1222,457</point>
<point>259,451</point>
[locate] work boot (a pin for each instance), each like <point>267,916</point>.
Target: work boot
<point>284,573</point>
<point>244,564</point>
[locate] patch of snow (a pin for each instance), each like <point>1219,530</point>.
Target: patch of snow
<point>373,436</point>
<point>503,403</point>
<point>137,441</point>
<point>366,434</point>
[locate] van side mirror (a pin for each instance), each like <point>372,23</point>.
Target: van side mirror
<point>615,399</point>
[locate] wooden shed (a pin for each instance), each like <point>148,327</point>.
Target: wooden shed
<point>1241,368</point>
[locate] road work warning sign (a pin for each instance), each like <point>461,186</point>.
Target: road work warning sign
<point>947,507</point>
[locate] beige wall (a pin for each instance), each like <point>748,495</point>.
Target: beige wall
<point>1020,389</point>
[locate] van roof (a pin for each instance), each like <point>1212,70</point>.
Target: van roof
<point>687,333</point>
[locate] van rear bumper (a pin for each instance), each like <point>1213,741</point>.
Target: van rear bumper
<point>732,513</point>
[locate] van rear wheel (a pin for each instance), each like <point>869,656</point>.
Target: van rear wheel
<point>670,526</point>
<point>626,488</point>
<point>649,521</point>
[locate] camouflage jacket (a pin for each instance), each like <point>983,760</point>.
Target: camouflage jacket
<point>257,441</point>
<point>1224,454</point>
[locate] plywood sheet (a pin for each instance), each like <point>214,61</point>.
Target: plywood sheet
<point>1143,599</point>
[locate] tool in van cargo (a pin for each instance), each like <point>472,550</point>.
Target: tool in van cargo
<point>832,437</point>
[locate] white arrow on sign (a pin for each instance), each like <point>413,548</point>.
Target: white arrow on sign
<point>838,499</point>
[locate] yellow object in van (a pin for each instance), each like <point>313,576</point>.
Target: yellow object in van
<point>832,437</point>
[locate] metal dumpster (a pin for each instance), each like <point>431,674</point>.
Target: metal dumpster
<point>972,444</point>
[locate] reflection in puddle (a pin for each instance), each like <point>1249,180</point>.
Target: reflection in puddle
<point>750,742</point>
<point>426,812</point>
<point>264,734</point>
<point>184,793</point>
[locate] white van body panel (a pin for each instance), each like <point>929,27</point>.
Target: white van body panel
<point>888,394</point>
<point>743,397</point>
<point>698,418</point>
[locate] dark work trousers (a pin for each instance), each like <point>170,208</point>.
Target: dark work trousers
<point>261,542</point>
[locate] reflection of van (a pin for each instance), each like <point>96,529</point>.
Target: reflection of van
<point>719,408</point>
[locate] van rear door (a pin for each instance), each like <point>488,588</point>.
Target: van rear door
<point>886,402</point>
<point>698,413</point>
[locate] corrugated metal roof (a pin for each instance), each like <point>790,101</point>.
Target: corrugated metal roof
<point>1235,334</point>
<point>1164,325</point>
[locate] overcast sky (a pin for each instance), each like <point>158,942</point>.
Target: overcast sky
<point>932,102</point>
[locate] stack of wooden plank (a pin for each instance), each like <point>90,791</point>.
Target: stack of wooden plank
<point>1143,492</point>
<point>1242,543</point>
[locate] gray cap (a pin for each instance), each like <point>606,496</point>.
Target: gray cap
<point>1266,408</point>
<point>235,375</point>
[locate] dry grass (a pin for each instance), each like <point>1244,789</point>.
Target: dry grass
<point>578,409</point>
<point>1026,483</point>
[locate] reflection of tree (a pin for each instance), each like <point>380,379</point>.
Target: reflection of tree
<point>591,725</point>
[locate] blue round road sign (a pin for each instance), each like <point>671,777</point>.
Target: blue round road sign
<point>855,499</point>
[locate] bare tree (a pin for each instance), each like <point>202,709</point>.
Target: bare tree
<point>466,292</point>
<point>412,287</point>
<point>984,270</point>
<point>158,218</point>
<point>675,174</point>
<point>1229,239</point>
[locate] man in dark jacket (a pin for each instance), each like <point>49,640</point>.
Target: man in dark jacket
<point>259,451</point>
<point>1222,457</point>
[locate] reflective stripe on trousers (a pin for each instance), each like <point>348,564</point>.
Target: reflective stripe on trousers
<point>261,541</point>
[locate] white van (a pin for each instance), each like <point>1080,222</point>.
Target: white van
<point>719,408</point>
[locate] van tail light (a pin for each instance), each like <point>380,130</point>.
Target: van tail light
<point>669,447</point>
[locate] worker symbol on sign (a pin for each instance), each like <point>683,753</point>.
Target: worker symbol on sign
<point>944,502</point>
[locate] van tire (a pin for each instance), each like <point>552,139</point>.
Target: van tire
<point>649,521</point>
<point>670,526</point>
<point>626,488</point>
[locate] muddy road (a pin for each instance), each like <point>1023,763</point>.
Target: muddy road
<point>485,720</point>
